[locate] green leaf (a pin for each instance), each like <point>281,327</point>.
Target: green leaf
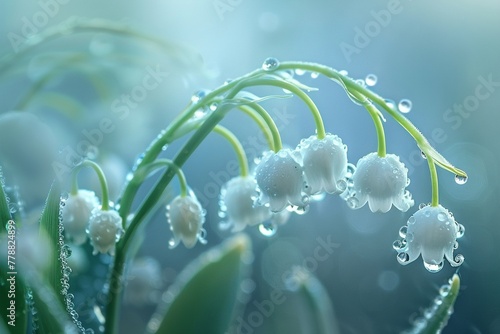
<point>52,317</point>
<point>436,316</point>
<point>49,227</point>
<point>205,295</point>
<point>316,296</point>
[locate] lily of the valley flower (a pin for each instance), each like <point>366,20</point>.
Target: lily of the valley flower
<point>76,214</point>
<point>325,164</point>
<point>280,180</point>
<point>237,203</point>
<point>104,230</point>
<point>380,181</point>
<point>432,232</point>
<point>186,217</point>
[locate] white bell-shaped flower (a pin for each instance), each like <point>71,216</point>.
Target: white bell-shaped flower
<point>237,204</point>
<point>76,214</point>
<point>432,231</point>
<point>280,180</point>
<point>104,230</point>
<point>186,218</point>
<point>325,164</point>
<point>380,181</point>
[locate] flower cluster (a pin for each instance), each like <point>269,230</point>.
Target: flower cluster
<point>82,217</point>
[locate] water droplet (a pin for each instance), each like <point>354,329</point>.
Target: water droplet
<point>213,106</point>
<point>371,80</point>
<point>423,154</point>
<point>410,236</point>
<point>270,64</point>
<point>442,217</point>
<point>300,71</point>
<point>460,179</point>
<point>343,72</point>
<point>352,202</point>
<point>361,82</point>
<point>460,230</point>
<point>268,230</point>
<point>402,231</point>
<point>341,185</point>
<point>444,290</point>
<point>432,267</point>
<point>411,220</point>
<point>397,245</point>
<point>403,257</point>
<point>314,75</point>
<point>404,106</point>
<point>421,206</point>
<point>199,95</point>
<point>390,103</point>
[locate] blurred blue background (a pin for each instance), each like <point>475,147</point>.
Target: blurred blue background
<point>437,54</point>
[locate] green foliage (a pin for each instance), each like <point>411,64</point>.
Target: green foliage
<point>205,296</point>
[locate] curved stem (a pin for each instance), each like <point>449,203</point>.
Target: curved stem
<point>318,120</point>
<point>277,145</point>
<point>375,114</point>
<point>100,175</point>
<point>434,182</point>
<point>351,85</point>
<point>261,124</point>
<point>148,169</point>
<point>238,148</point>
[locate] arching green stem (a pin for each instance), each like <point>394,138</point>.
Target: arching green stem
<point>277,145</point>
<point>261,124</point>
<point>238,148</point>
<point>352,86</point>
<point>100,175</point>
<point>148,169</point>
<point>379,127</point>
<point>434,182</point>
<point>318,120</point>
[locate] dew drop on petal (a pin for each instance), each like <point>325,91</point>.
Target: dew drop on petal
<point>270,64</point>
<point>352,202</point>
<point>442,217</point>
<point>397,245</point>
<point>460,179</point>
<point>402,231</point>
<point>404,106</point>
<point>268,230</point>
<point>403,257</point>
<point>432,267</point>
<point>371,80</point>
<point>411,220</point>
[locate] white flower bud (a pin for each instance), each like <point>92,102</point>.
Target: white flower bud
<point>104,230</point>
<point>381,182</point>
<point>237,203</point>
<point>76,214</point>
<point>325,164</point>
<point>280,180</point>
<point>186,217</point>
<point>432,232</point>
